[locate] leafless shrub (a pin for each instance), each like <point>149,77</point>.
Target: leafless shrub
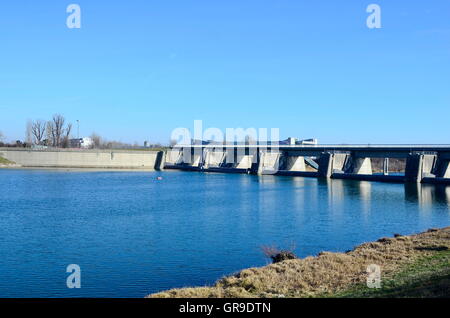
<point>278,255</point>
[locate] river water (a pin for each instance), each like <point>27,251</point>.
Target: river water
<point>132,234</point>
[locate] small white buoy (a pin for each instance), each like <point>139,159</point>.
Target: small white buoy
<point>159,178</point>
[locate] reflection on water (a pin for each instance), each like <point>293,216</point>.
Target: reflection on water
<point>426,194</point>
<point>133,235</point>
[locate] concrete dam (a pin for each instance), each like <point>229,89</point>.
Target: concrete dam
<point>387,163</point>
<point>414,163</point>
<point>89,158</point>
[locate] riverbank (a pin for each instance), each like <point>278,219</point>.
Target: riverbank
<point>411,266</point>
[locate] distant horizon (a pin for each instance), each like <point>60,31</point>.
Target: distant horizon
<point>134,72</point>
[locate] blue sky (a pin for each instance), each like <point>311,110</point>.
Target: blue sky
<point>138,69</point>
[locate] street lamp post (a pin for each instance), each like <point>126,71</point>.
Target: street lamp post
<point>78,133</point>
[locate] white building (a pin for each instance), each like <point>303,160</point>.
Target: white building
<point>86,142</point>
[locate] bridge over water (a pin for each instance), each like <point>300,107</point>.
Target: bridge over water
<point>411,163</point>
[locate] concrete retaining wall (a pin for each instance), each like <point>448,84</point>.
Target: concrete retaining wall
<point>118,159</point>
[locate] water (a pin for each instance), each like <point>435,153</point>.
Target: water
<point>133,235</point>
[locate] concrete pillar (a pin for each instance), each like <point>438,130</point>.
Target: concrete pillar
<point>230,157</point>
<point>419,166</point>
<point>428,165</point>
<point>339,160</point>
<point>295,163</point>
<point>268,162</point>
<point>213,158</point>
<point>413,169</point>
<point>192,156</point>
<point>196,159</point>
<point>244,162</point>
<point>362,166</point>
<point>205,159</point>
<point>255,162</point>
<point>160,160</point>
<point>446,174</point>
<point>187,155</point>
<point>173,156</point>
<point>386,166</point>
<point>442,168</point>
<point>325,165</point>
<point>260,163</point>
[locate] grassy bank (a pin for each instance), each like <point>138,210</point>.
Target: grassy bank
<point>427,277</point>
<point>411,266</point>
<point>5,162</point>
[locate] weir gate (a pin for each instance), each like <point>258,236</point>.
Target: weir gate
<point>388,163</point>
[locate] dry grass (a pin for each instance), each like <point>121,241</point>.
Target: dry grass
<point>326,274</point>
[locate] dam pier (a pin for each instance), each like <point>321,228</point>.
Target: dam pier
<point>386,163</point>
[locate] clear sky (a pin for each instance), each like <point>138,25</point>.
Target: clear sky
<point>138,69</point>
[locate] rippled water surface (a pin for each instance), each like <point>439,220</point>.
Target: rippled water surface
<point>132,234</point>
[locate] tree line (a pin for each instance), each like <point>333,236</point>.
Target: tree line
<point>54,132</point>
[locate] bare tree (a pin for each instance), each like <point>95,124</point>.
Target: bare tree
<point>68,130</point>
<point>57,134</point>
<point>66,137</point>
<point>96,140</point>
<point>58,129</point>
<point>38,128</point>
<point>1,137</point>
<point>50,137</point>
